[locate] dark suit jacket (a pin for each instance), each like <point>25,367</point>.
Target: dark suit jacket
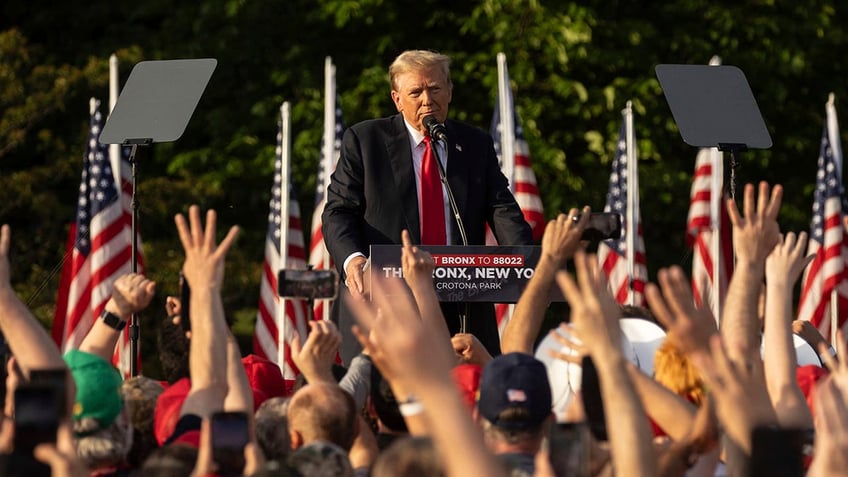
<point>372,195</point>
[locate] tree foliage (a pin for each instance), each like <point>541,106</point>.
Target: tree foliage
<point>573,65</point>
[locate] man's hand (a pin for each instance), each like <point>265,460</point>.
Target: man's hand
<point>572,350</point>
<point>562,236</point>
<point>204,263</point>
<point>173,306</point>
<point>594,313</point>
<point>354,277</point>
<point>131,293</point>
<point>315,358</point>
<point>690,326</point>
<point>786,261</point>
<point>755,235</point>
<point>418,265</point>
<point>810,334</point>
<point>469,349</point>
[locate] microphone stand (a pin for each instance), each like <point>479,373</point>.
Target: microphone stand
<point>463,315</point>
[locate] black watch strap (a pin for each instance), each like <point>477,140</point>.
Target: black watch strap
<point>112,320</point>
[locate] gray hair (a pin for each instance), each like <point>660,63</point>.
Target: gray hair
<point>272,428</point>
<point>106,447</point>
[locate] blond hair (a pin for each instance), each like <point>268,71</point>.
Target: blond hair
<point>675,371</point>
<point>418,60</point>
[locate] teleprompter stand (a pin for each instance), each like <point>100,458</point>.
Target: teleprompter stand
<point>713,106</point>
<point>154,106</point>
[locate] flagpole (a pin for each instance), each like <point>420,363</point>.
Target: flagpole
<point>114,149</point>
<point>328,152</point>
<point>836,148</point>
<point>716,196</point>
<point>285,197</point>
<point>632,194</point>
<point>506,111</point>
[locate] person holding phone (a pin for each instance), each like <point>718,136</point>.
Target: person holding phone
<point>386,181</point>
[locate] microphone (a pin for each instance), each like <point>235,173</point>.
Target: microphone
<point>437,130</point>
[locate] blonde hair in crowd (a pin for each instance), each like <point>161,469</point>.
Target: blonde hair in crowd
<point>673,370</point>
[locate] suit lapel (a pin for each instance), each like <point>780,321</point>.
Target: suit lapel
<point>399,153</point>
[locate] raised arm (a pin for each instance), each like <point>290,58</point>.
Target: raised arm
<point>204,270</point>
<point>742,401</point>
<point>131,293</point>
<point>27,339</point>
<point>783,268</point>
<point>418,266</point>
<point>595,316</point>
<point>754,237</point>
<point>314,359</point>
<point>408,352</point>
<point>559,242</point>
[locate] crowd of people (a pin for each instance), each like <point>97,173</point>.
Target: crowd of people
<point>721,395</point>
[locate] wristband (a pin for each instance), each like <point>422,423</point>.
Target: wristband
<point>410,408</point>
<point>112,320</point>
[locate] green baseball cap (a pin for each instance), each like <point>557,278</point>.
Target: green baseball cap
<point>98,387</point>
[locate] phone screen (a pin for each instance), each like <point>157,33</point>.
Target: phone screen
<point>56,379</point>
<point>602,226</point>
<point>185,298</point>
<point>36,416</point>
<point>593,404</point>
<point>777,452</point>
<point>229,436</point>
<point>308,283</point>
<point>568,449</point>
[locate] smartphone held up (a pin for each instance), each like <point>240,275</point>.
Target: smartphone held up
<point>308,284</point>
<point>601,226</point>
<point>229,436</point>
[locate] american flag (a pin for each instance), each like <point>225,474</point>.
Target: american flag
<point>268,322</point>
<point>827,272</point>
<point>99,248</point>
<point>699,234</point>
<point>521,178</point>
<point>522,181</point>
<point>319,258</point>
<point>612,254</point>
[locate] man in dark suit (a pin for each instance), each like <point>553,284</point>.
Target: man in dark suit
<point>376,189</point>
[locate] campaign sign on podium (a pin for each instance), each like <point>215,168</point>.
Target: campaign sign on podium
<point>469,273</point>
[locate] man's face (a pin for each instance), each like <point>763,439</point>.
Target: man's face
<point>421,93</point>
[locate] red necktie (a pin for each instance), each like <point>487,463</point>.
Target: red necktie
<point>432,201</point>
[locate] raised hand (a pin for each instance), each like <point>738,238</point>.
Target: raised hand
<point>418,265</point>
<point>787,260</point>
<point>131,293</point>
<point>742,401</point>
<point>594,313</point>
<point>756,234</point>
<point>674,306</point>
<point>315,358</point>
<point>204,263</point>
<point>562,236</point>
<point>469,349</point>
<point>567,336</point>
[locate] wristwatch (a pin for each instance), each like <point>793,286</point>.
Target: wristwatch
<point>112,320</point>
